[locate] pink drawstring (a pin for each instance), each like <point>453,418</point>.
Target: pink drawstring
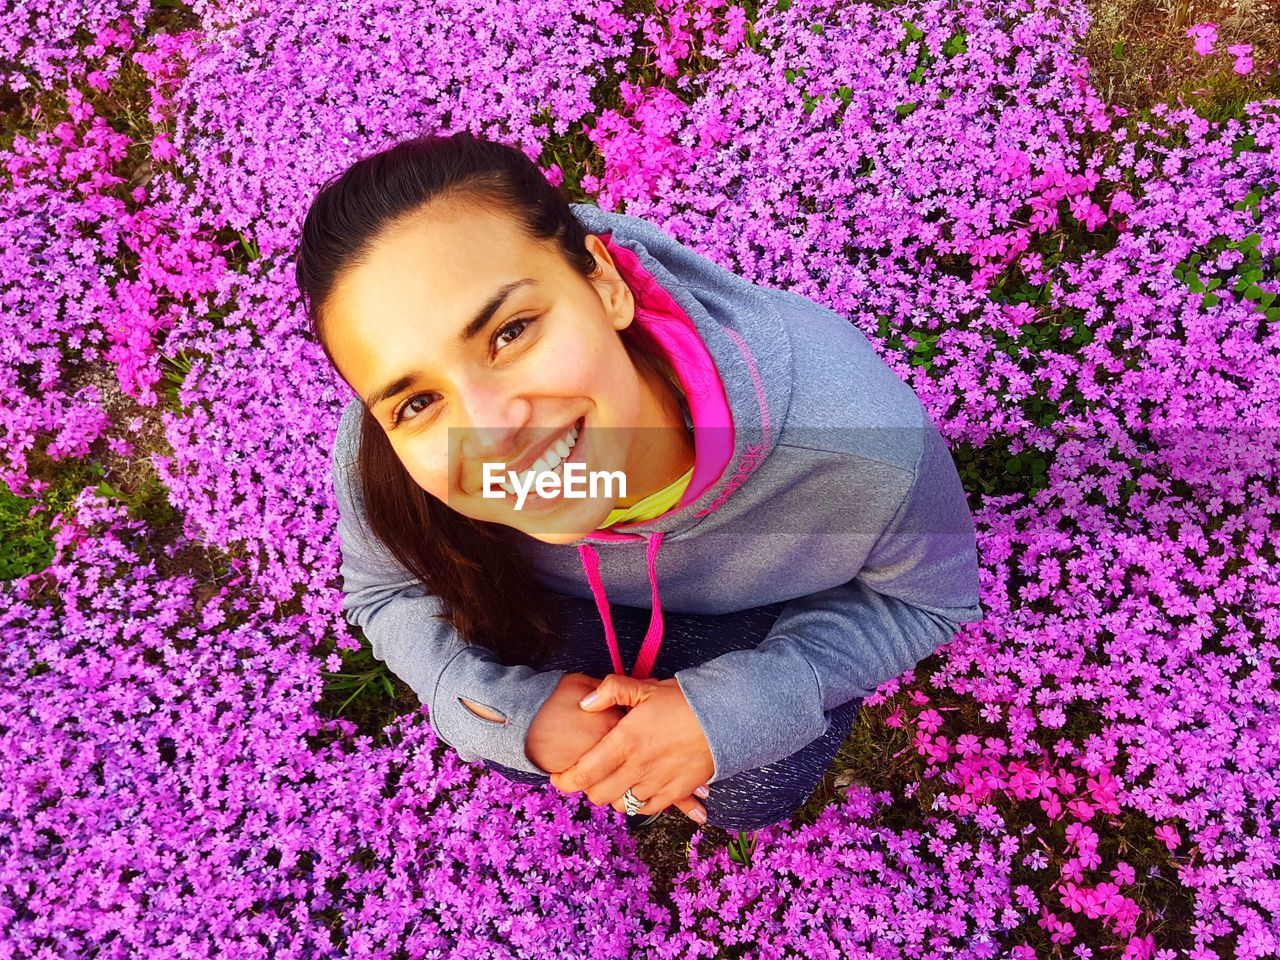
<point>653,637</point>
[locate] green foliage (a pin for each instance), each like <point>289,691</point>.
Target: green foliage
<point>249,246</point>
<point>1201,273</point>
<point>956,44</point>
<point>174,371</point>
<point>572,151</point>
<point>147,502</point>
<point>363,684</point>
<point>26,543</point>
<point>742,846</point>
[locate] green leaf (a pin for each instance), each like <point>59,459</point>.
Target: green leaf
<point>1273,314</point>
<point>1214,283</point>
<point>1252,292</point>
<point>955,44</point>
<point>1267,299</point>
<point>1117,51</point>
<point>1244,143</point>
<point>816,28</point>
<point>1209,300</point>
<point>1013,465</point>
<point>1195,285</point>
<point>790,75</point>
<point>906,109</point>
<point>783,5</point>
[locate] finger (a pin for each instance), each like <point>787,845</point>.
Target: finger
<point>611,788</point>
<point>656,799</point>
<point>595,765</point>
<point>692,809</point>
<point>617,690</point>
<point>661,800</point>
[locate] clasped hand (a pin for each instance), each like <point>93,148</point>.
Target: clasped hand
<point>656,748</point>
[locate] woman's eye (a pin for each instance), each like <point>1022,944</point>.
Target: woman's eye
<point>521,323</point>
<point>398,416</point>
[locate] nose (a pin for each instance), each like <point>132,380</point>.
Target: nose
<point>493,417</point>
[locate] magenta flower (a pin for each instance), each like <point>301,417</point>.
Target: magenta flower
<point>1204,35</point>
<point>1243,52</point>
<point>1169,834</point>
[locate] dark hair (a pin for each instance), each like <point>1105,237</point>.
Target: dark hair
<point>477,569</point>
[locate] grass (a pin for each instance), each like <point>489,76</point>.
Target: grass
<point>1141,56</point>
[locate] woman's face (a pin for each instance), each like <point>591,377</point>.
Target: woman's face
<point>470,343</point>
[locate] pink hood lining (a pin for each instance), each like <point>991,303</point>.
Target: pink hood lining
<point>660,316</point>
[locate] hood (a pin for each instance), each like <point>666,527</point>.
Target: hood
<point>727,342</point>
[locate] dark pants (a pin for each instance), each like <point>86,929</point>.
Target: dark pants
<point>748,800</point>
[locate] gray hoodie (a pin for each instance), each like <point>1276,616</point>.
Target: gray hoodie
<point>819,480</point>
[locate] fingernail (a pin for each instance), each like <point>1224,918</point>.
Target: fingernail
<point>702,792</point>
<point>588,700</point>
<point>697,813</point>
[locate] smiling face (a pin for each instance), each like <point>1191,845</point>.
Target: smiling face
<point>470,344</point>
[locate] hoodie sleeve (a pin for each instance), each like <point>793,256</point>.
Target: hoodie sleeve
<point>918,584</point>
<point>406,631</point>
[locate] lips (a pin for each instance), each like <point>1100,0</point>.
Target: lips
<point>539,460</point>
<point>535,456</point>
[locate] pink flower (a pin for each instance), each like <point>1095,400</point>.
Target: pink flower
<point>1051,806</point>
<point>1244,59</point>
<point>161,149</point>
<point>1121,202</point>
<point>1019,313</point>
<point>1076,899</point>
<point>1080,809</point>
<point>1169,834</point>
<point>930,720</point>
<point>1123,873</point>
<point>1073,871</point>
<point>1204,35</point>
<point>1064,933</point>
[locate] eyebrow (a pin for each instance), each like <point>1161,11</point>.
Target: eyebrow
<point>468,333</point>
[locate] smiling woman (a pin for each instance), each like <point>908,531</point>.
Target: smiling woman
<point>490,330</point>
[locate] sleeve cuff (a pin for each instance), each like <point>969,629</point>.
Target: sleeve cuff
<point>516,692</point>
<point>755,706</point>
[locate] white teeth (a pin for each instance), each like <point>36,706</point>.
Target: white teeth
<point>552,460</point>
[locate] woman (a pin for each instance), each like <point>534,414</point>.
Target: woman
<point>813,533</point>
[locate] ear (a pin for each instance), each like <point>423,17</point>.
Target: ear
<point>619,302</point>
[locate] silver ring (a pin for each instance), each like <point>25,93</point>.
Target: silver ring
<point>631,803</point>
